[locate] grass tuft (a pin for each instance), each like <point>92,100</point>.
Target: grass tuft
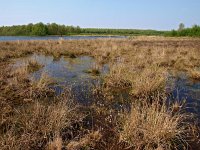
<point>152,126</point>
<point>32,126</point>
<point>33,65</point>
<point>194,74</point>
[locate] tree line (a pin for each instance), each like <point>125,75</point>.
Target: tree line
<point>120,31</point>
<point>194,31</point>
<point>41,29</point>
<point>38,29</point>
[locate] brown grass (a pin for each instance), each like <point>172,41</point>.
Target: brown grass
<point>33,65</point>
<point>194,74</point>
<point>88,141</point>
<point>32,117</point>
<point>32,126</point>
<point>154,126</point>
<point>56,144</point>
<point>142,82</point>
<point>42,84</point>
<point>149,80</point>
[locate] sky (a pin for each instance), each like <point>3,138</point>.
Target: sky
<point>132,14</point>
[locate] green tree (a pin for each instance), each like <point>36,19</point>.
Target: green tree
<point>39,29</point>
<point>52,29</point>
<point>61,30</point>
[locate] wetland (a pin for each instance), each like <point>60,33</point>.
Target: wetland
<point>114,93</point>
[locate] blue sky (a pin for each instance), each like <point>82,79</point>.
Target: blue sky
<point>140,14</point>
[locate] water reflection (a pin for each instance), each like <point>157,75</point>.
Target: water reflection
<point>69,72</point>
<point>19,38</point>
<point>184,89</point>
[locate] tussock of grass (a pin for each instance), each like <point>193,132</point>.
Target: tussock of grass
<point>152,126</point>
<point>149,80</point>
<point>142,82</point>
<point>33,125</point>
<point>194,74</point>
<point>72,55</point>
<point>183,64</point>
<point>42,82</point>
<point>21,70</point>
<point>40,87</point>
<point>17,87</point>
<point>119,77</point>
<point>86,142</point>
<point>56,144</point>
<point>92,71</point>
<point>27,67</point>
<point>33,65</point>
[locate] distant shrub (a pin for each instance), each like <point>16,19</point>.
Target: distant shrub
<point>193,32</point>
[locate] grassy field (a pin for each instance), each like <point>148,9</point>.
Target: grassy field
<point>33,116</point>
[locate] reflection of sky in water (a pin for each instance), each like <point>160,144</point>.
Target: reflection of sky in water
<point>67,69</point>
<point>69,72</point>
<point>19,38</point>
<point>185,89</point>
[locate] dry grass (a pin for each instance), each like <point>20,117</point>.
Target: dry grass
<point>106,49</point>
<point>20,86</point>
<point>149,80</point>
<point>33,65</point>
<point>118,77</point>
<point>142,82</point>
<point>20,71</point>
<point>194,74</point>
<point>32,126</point>
<point>56,144</point>
<point>154,126</point>
<point>86,142</point>
<point>41,86</point>
<point>26,67</point>
<point>32,117</point>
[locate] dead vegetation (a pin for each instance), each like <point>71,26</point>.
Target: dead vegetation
<point>33,117</point>
<point>154,126</point>
<point>31,126</point>
<point>194,74</point>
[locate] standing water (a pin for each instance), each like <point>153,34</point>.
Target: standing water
<point>22,38</point>
<point>74,73</point>
<point>69,72</point>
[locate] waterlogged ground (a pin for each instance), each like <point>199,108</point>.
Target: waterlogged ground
<point>73,73</point>
<point>185,90</point>
<point>68,72</point>
<point>114,92</point>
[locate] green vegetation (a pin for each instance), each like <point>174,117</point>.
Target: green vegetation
<point>41,29</point>
<point>182,31</point>
<point>38,29</point>
<point>120,31</point>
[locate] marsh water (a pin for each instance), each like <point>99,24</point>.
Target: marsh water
<point>73,73</point>
<point>184,89</point>
<point>69,72</point>
<point>22,38</point>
